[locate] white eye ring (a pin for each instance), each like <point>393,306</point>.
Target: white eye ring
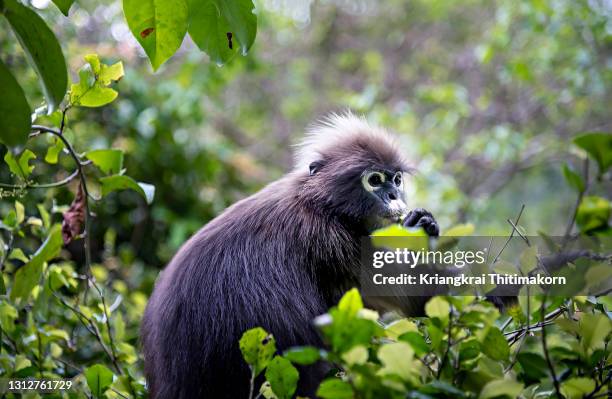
<point>372,181</point>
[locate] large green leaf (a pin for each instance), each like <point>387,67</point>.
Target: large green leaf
<point>122,182</point>
<point>14,110</point>
<point>42,48</point>
<point>99,378</point>
<point>27,276</point>
<point>242,21</point>
<point>599,147</point>
<point>64,5</point>
<point>221,28</point>
<point>158,25</point>
<point>593,213</point>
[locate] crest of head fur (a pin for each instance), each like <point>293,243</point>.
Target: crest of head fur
<point>333,131</point>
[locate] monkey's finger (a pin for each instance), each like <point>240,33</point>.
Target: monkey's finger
<point>414,216</point>
<point>429,225</point>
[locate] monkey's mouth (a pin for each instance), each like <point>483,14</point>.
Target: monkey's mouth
<point>392,217</point>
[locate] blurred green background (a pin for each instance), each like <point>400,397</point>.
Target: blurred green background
<point>484,96</point>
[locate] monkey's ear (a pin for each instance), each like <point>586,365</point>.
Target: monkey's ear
<point>314,167</point>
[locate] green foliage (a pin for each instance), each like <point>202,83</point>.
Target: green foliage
<point>42,48</point>
<point>158,25</point>
<point>14,110</point>
<point>598,146</point>
<point>459,351</point>
<point>99,378</point>
<point>95,77</point>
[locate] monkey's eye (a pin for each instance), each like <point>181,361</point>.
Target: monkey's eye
<point>397,179</point>
<point>376,179</point>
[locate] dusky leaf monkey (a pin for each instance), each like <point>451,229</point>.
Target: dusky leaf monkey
<point>276,259</point>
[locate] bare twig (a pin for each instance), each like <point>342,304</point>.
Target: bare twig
<point>545,349</point>
<point>518,217</point>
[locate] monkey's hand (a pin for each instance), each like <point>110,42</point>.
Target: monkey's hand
<point>421,218</point>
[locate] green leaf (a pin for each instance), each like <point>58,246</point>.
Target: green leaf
<point>397,359</point>
<point>573,178</point>
<point>8,315</point>
<point>498,388</point>
<point>42,49</point>
<point>21,167</point>
<point>495,345</point>
<point>417,341</point>
<point>356,355</point>
<point>350,303</point>
<point>575,388</point>
<point>528,260</point>
<point>257,347</point>
<point>283,377</point>
<point>593,213</point>
<point>14,110</point>
<point>594,328</point>
<point>599,146</point>
<point>109,161</point>
<point>27,277</point>
<point>94,79</point>
<point>158,25</point>
<point>64,5</point>
<point>437,307</point>
<point>53,151</point>
<point>19,212</point>
<point>399,327</point>
<point>122,182</point>
<point>303,355</point>
<point>335,388</point>
<point>534,365</point>
<point>99,378</point>
<point>212,21</point>
<point>242,21</point>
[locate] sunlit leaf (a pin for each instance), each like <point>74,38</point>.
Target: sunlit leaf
<point>94,79</point>
<point>335,388</point>
<point>397,359</point>
<point>257,347</point>
<point>158,25</point>
<point>20,167</point>
<point>109,161</point>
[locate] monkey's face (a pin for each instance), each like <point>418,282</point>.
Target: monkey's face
<point>384,190</point>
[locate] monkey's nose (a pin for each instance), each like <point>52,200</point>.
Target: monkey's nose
<point>391,196</point>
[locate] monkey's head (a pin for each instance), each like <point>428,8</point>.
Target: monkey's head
<point>354,171</point>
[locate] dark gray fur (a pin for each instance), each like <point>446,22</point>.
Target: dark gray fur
<point>276,259</point>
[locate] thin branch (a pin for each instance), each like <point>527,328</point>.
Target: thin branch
<point>518,217</point>
<point>446,352</point>
<point>60,183</point>
<point>545,349</point>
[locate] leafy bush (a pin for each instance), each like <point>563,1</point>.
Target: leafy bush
<point>464,348</point>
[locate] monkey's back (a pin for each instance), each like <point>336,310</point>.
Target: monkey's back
<point>257,264</point>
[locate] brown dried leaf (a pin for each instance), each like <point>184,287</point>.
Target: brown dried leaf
<point>74,217</point>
